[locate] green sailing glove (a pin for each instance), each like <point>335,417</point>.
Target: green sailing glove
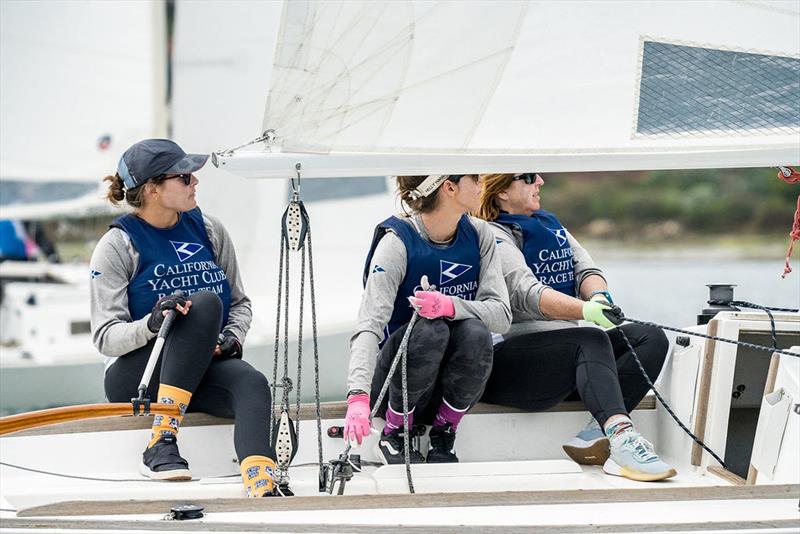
<point>602,314</point>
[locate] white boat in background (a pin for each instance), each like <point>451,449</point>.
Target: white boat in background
<point>360,89</point>
<point>77,88</point>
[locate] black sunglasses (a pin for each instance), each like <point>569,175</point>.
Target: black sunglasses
<point>528,177</point>
<point>186,177</point>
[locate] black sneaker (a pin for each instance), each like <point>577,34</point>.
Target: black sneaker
<point>391,449</point>
<point>162,461</point>
<point>442,440</point>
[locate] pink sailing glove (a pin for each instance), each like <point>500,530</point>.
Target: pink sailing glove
<point>432,304</point>
<point>356,422</point>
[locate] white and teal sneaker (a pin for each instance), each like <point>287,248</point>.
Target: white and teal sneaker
<point>633,457</point>
<point>589,446</point>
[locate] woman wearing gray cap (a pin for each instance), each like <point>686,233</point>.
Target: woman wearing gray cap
<point>167,244</point>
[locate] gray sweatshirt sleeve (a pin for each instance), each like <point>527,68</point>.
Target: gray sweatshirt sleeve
<point>240,314</point>
<point>583,264</point>
<point>524,289</point>
<point>113,264</point>
<point>115,260</point>
<point>491,300</point>
<point>377,304</point>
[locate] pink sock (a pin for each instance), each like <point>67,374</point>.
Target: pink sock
<point>394,419</point>
<point>448,414</point>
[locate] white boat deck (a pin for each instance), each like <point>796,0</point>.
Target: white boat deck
<point>543,493</point>
<point>513,475</point>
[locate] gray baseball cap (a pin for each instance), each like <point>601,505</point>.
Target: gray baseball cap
<point>151,158</point>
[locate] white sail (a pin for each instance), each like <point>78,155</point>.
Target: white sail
<point>80,83</point>
<point>220,78</point>
<point>364,88</point>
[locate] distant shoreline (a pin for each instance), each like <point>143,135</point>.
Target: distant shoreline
<point>696,247</point>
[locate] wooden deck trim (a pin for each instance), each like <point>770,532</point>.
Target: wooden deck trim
<point>705,392</point>
<point>52,416</point>
<point>329,410</point>
<point>83,525</point>
<point>421,500</point>
<point>726,475</point>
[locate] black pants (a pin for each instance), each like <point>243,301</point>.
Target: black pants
<point>446,359</point>
<point>536,371</point>
<point>225,388</point>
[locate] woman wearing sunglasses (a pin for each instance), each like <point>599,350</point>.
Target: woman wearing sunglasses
<point>168,244</point>
<point>553,283</point>
<point>450,347</point>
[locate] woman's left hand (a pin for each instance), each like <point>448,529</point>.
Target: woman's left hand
<point>228,347</point>
<point>432,304</point>
<point>602,314</point>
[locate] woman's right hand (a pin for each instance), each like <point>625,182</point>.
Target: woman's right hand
<point>356,422</point>
<point>163,305</point>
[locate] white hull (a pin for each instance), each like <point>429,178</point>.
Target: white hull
<point>512,471</point>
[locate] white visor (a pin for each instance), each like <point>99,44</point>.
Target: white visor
<point>428,186</point>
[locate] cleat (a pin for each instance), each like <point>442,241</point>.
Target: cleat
<point>390,449</point>
<point>442,440</point>
<point>589,446</point>
<point>162,461</point>
<point>632,456</point>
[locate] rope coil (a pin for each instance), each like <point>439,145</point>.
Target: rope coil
<point>791,176</point>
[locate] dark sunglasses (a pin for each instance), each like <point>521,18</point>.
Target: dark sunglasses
<point>186,177</point>
<point>528,177</point>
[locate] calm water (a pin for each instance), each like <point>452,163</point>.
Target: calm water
<point>674,292</point>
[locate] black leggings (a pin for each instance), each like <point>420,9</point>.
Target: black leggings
<point>225,388</point>
<point>536,371</point>
<point>446,359</point>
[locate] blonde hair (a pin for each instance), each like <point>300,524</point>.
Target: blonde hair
<point>492,186</point>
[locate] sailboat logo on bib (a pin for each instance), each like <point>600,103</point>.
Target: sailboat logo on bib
<point>186,250</point>
<point>450,271</point>
<point>561,236</point>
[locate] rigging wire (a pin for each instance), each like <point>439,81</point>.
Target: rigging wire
<point>295,235</point>
<point>715,338</point>
<point>741,303</point>
<point>400,357</point>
